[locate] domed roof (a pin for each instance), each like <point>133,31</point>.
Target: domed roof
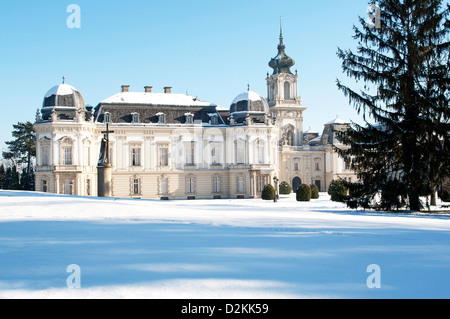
<point>282,63</point>
<point>64,95</point>
<point>249,102</point>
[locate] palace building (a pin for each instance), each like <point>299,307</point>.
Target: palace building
<point>176,146</point>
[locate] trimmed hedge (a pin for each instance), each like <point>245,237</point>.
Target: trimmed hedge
<point>268,192</point>
<point>285,188</point>
<point>314,191</point>
<point>303,193</point>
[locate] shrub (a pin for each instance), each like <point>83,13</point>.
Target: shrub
<point>268,192</point>
<point>285,188</point>
<point>337,191</point>
<point>314,191</point>
<point>304,193</point>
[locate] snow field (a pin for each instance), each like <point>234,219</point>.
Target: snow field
<point>216,249</point>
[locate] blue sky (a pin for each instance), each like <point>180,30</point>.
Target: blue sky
<point>211,49</point>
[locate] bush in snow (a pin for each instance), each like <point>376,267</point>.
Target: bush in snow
<point>303,193</point>
<point>285,188</point>
<point>314,191</point>
<point>337,191</point>
<point>268,192</point>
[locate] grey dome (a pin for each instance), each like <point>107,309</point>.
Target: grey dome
<point>64,96</point>
<point>249,102</point>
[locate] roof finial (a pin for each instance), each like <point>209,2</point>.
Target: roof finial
<point>64,79</point>
<point>248,86</point>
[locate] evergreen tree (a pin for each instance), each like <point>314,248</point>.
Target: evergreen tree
<point>2,176</point>
<point>13,178</point>
<point>23,148</point>
<point>403,64</point>
<point>27,180</point>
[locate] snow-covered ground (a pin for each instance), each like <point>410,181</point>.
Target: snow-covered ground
<point>217,249</point>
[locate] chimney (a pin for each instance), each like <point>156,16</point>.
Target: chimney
<point>167,89</point>
<point>125,88</point>
<point>148,89</point>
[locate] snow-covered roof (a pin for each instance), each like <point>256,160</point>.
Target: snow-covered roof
<point>61,89</point>
<point>247,96</point>
<point>63,96</point>
<point>338,121</point>
<point>316,140</point>
<point>155,99</point>
<point>311,132</point>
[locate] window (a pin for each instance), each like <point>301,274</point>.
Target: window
<point>260,183</point>
<point>164,185</point>
<point>134,117</point>
<point>88,187</point>
<point>136,186</point>
<point>190,185</point>
<point>87,155</point>
<point>215,158</point>
<point>216,184</point>
<point>163,156</point>
<point>240,184</point>
<point>240,152</point>
<point>287,90</point>
<point>45,151</point>
<point>67,155</point>
<point>317,166</point>
<point>296,164</point>
<point>189,118</point>
<point>190,153</point>
<point>135,156</point>
<point>260,150</point>
<point>214,119</point>
<point>44,186</point>
<point>161,118</point>
<point>68,187</point>
<point>107,117</point>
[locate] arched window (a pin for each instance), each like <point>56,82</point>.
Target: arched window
<point>287,90</point>
<point>66,151</point>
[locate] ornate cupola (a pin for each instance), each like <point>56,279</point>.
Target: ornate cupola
<point>282,63</point>
<point>282,84</point>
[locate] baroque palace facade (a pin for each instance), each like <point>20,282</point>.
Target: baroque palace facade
<point>175,146</point>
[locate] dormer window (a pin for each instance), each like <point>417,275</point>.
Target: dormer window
<point>107,117</point>
<point>134,117</point>
<point>189,118</point>
<point>214,118</point>
<point>161,118</point>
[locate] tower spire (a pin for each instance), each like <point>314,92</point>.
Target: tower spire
<point>282,62</point>
<point>281,29</point>
<point>281,33</point>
